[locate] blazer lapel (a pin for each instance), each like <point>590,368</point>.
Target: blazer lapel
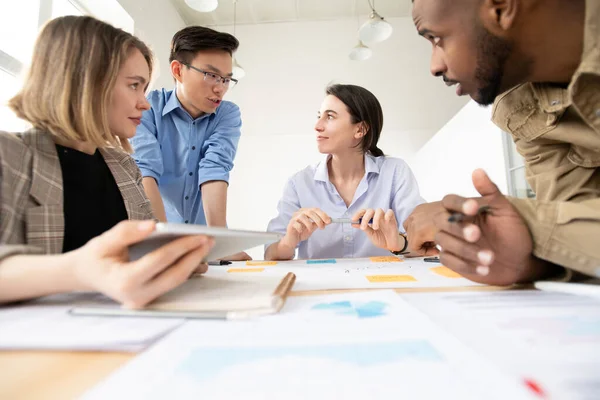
<point>45,223</point>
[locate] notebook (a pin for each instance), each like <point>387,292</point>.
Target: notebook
<point>219,297</point>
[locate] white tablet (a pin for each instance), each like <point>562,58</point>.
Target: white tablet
<point>227,241</point>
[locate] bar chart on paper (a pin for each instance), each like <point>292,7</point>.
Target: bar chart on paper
<point>365,273</point>
<point>307,352</point>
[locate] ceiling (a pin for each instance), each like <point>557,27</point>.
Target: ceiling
<point>269,11</point>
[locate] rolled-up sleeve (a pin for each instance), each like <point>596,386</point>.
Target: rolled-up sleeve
<point>220,147</point>
<point>407,195</point>
<point>146,148</point>
<point>564,233</point>
<point>287,206</point>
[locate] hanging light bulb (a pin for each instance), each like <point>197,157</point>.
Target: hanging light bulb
<point>237,70</point>
<point>203,5</point>
<point>376,29</point>
<point>360,52</point>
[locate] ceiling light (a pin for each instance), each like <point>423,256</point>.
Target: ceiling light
<point>360,52</point>
<point>203,5</point>
<point>237,70</point>
<point>376,29</point>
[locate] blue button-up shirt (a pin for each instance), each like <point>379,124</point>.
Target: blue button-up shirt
<point>181,153</point>
<point>388,183</point>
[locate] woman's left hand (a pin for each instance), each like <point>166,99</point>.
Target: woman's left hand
<point>383,231</point>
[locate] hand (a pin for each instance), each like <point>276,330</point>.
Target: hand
<point>303,223</point>
<point>493,248</point>
<point>421,230</point>
<point>241,256</point>
<point>103,264</point>
<point>383,232</point>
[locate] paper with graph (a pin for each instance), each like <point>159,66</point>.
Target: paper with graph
<point>552,339</point>
<point>361,273</point>
<point>352,346</point>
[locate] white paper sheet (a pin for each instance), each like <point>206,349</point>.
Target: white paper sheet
<point>362,273</point>
<point>45,324</point>
<point>551,338</point>
<point>350,346</point>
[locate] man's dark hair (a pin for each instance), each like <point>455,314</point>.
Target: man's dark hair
<point>363,107</point>
<point>189,41</point>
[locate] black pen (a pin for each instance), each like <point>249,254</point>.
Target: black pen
<point>219,262</point>
<point>460,217</point>
<point>432,259</point>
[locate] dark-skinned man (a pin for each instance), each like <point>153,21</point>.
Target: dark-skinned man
<point>538,62</point>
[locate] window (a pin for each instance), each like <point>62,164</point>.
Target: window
<point>517,183</point>
<point>19,26</point>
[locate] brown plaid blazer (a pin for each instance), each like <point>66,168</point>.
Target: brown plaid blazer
<point>31,192</point>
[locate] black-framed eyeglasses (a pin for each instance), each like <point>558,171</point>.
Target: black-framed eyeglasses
<point>213,78</point>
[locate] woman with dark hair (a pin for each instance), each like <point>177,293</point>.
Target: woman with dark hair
<point>355,188</point>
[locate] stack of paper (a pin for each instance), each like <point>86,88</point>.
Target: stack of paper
<point>350,346</point>
<point>551,339</point>
<point>46,324</point>
<point>361,273</point>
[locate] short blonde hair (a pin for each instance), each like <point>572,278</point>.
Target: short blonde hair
<point>74,68</point>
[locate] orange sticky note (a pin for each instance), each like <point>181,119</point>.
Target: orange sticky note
<point>255,263</point>
<point>445,271</point>
<point>390,278</point>
<point>245,270</point>
<point>385,259</point>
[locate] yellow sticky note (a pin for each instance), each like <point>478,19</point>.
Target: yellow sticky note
<point>256,263</point>
<point>245,270</point>
<point>386,259</point>
<point>390,278</point>
<point>445,271</point>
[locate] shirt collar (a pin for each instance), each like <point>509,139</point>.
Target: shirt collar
<point>322,172</point>
<point>173,104</point>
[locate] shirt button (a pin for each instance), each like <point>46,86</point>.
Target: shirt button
<point>186,221</point>
<point>187,197</point>
<point>191,173</point>
<point>193,147</point>
<point>555,102</point>
<point>348,238</point>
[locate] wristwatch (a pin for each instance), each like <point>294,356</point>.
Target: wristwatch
<point>403,250</point>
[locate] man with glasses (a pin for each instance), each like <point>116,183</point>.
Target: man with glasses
<point>186,143</point>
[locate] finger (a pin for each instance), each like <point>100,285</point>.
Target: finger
<point>308,223</point>
<point>390,219</point>
<point>469,252</point>
<point>326,218</point>
<point>462,230</point>
<point>316,218</point>
<point>158,260</point>
<point>125,233</point>
<point>378,217</point>
<point>298,227</point>
<point>170,278</point>
<point>366,218</point>
<point>484,184</point>
<point>357,216</point>
<point>461,266</point>
<point>454,203</point>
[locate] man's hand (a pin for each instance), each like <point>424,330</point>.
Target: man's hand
<point>420,229</point>
<point>493,248</point>
<point>241,256</point>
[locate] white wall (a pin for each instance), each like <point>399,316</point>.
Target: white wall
<point>155,23</point>
<point>469,141</point>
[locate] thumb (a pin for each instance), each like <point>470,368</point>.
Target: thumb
<point>484,184</point>
<point>126,233</point>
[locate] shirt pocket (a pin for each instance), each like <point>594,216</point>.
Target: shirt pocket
<point>529,122</point>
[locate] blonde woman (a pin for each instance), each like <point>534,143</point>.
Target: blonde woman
<point>68,186</point>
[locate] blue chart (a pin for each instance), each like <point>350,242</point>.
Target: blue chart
<point>369,309</point>
<point>204,363</point>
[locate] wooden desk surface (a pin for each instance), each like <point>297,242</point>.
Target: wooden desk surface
<point>53,375</point>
